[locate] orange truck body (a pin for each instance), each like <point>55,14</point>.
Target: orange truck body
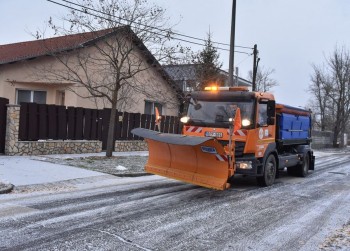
<point>209,152</point>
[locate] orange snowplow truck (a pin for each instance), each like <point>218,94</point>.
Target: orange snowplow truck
<point>228,131</point>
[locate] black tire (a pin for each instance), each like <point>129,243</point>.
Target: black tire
<point>270,170</point>
<point>303,169</point>
<point>231,180</point>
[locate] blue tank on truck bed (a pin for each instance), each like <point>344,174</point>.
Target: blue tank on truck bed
<point>293,139</point>
<point>293,125</point>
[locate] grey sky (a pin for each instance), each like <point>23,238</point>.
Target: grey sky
<point>290,34</point>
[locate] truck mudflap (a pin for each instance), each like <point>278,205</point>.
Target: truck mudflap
<point>198,160</point>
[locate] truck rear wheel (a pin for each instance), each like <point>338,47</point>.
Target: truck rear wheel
<point>303,169</point>
<point>269,175</point>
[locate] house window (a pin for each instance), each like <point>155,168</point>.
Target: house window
<point>31,96</point>
<point>150,107</point>
<point>189,89</point>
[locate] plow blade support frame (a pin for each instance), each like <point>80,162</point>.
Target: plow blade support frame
<point>175,139</point>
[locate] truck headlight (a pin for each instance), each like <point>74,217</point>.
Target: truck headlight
<point>185,120</point>
<point>245,122</point>
<point>244,165</point>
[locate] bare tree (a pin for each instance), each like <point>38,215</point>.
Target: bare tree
<point>320,87</point>
<point>330,86</point>
<point>264,81</point>
<point>177,55</point>
<point>110,67</point>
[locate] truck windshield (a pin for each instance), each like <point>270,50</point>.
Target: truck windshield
<point>217,113</point>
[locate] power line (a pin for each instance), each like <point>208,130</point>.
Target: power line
<point>148,26</point>
<point>166,36</point>
<point>244,59</point>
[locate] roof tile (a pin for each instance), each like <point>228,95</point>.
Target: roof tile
<point>10,53</point>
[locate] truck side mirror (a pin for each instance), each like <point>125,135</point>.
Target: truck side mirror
<point>271,112</point>
<point>270,121</point>
<point>271,108</point>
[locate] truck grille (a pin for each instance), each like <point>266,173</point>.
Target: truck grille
<point>239,148</point>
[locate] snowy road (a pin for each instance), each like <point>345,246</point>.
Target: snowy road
<point>152,213</point>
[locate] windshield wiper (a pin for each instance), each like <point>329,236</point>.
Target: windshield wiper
<point>197,120</point>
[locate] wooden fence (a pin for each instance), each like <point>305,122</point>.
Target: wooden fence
<point>43,122</point>
<point>3,114</point>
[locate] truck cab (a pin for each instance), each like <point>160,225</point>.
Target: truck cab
<point>228,131</point>
<point>262,133</point>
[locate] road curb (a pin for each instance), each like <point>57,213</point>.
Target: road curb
<point>131,174</point>
<point>6,188</point>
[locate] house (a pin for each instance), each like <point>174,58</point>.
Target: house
<point>185,76</point>
<point>37,71</point>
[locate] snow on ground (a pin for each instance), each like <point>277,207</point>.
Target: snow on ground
<point>330,151</point>
<point>128,165</point>
<point>322,154</point>
<point>84,155</point>
<point>121,168</point>
<point>340,240</point>
<point>25,171</point>
<point>317,153</point>
<point>53,168</point>
<point>33,170</point>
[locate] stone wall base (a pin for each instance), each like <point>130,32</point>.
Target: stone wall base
<point>130,145</point>
<point>54,147</point>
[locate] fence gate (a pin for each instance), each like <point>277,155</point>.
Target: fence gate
<point>3,113</point>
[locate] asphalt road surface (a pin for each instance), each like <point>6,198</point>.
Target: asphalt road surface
<point>153,213</point>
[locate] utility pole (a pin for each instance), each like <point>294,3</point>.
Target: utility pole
<point>255,66</point>
<point>237,71</point>
<point>232,44</point>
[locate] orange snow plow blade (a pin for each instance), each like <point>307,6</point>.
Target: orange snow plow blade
<point>197,160</point>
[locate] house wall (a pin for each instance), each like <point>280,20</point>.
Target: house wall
<point>163,94</point>
<point>29,75</point>
<point>25,75</point>
<point>130,145</point>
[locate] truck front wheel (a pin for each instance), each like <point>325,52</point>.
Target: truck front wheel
<point>269,175</point>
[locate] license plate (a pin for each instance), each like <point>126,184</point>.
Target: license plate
<point>213,134</point>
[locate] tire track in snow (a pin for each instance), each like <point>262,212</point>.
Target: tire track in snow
<point>149,214</point>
